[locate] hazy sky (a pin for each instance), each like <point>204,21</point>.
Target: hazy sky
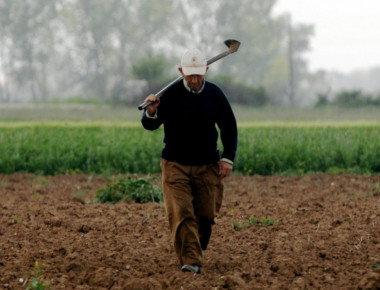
<point>347,32</point>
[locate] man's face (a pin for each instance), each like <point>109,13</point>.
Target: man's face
<point>193,81</point>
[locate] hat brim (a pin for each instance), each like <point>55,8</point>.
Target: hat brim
<point>194,70</point>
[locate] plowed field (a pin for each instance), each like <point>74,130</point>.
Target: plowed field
<point>310,232</point>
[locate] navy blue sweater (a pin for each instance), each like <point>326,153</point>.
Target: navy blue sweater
<point>190,120</point>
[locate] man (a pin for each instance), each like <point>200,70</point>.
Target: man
<point>192,168</point>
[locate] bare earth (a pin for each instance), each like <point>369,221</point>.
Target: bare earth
<point>328,236</point>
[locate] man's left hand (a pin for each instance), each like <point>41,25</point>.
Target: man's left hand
<point>225,169</point>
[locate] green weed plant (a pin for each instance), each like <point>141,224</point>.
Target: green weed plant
<point>139,190</point>
<point>35,282</point>
<point>244,224</point>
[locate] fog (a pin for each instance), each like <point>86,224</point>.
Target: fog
<point>117,51</point>
<point>346,37</point>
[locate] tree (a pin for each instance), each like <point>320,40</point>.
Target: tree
<point>93,48</point>
<point>26,44</point>
<point>298,43</point>
<point>151,68</point>
<point>263,57</point>
<point>109,36</point>
<point>250,22</point>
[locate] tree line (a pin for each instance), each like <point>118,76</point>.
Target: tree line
<point>118,50</point>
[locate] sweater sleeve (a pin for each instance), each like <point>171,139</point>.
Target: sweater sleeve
<point>150,123</point>
<point>226,122</point>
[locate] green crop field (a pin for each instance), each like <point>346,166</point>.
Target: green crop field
<point>55,139</point>
<point>53,148</point>
<point>300,149</point>
<point>265,147</point>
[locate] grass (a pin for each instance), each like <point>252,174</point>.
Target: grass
<point>86,148</point>
<point>298,114</point>
<point>35,282</point>
<point>68,112</point>
<point>244,114</point>
<point>300,150</point>
<point>375,266</point>
<point>59,149</point>
<point>99,139</point>
<point>244,224</point>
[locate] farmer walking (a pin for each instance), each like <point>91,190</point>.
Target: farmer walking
<point>193,169</point>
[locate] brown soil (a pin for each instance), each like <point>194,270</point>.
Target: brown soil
<point>328,236</point>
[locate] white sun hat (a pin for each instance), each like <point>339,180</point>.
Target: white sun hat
<point>193,62</point>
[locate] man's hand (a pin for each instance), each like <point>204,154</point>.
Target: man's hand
<point>225,169</point>
<point>151,109</point>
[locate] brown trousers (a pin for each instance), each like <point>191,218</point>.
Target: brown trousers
<point>193,197</point>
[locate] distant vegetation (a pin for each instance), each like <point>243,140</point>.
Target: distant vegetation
<point>241,93</point>
<point>350,99</point>
<point>24,114</point>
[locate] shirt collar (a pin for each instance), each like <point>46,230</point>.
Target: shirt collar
<point>194,92</point>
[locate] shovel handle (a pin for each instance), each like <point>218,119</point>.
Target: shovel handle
<point>233,46</point>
